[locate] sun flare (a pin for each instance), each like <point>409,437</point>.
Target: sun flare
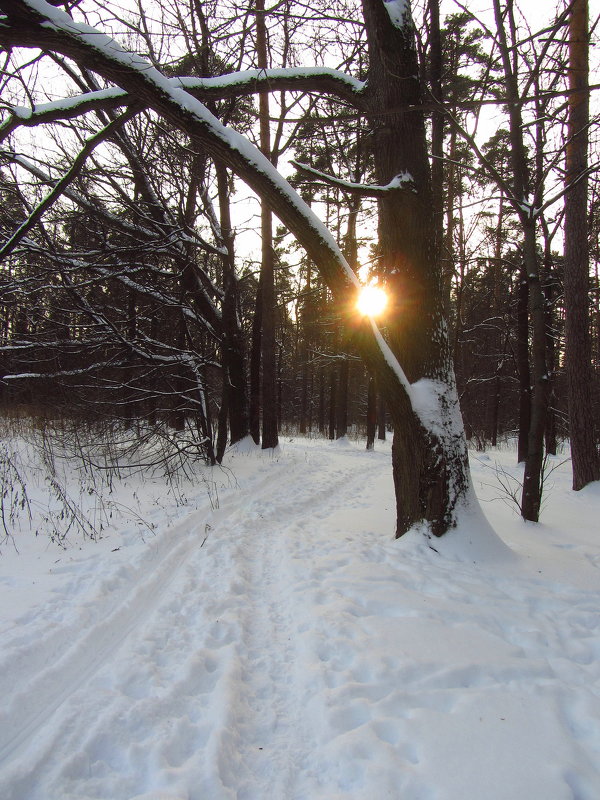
<point>371,301</point>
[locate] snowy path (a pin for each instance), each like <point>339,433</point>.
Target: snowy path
<point>284,647</point>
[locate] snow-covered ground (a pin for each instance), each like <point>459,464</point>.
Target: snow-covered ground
<point>270,640</point>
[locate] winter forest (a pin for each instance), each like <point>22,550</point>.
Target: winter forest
<point>198,200</point>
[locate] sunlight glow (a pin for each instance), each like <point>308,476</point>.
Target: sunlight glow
<point>371,301</point>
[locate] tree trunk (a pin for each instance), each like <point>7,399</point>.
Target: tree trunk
<point>371,414</point>
<point>234,356</point>
<point>255,365</point>
<point>321,419</point>
<point>523,365</point>
<point>332,402</point>
<point>341,420</point>
<point>430,468</point>
<point>267,271</point>
<point>551,349</point>
<point>381,418</point>
<point>437,121</point>
<point>532,479</point>
<point>584,453</point>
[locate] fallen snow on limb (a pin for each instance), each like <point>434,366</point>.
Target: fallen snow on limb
<point>283,645</point>
<point>403,181</point>
<point>398,12</point>
<point>242,81</point>
<point>176,103</point>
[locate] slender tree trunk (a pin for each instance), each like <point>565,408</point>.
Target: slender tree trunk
<point>321,420</point>
<point>381,418</point>
<point>549,298</point>
<point>437,121</point>
<point>255,366</point>
<point>234,355</point>
<point>525,207</point>
<point>269,369</point>
<point>303,397</point>
<point>371,413</point>
<point>584,453</point>
<point>332,402</point>
<point>341,422</point>
<point>523,365</point>
<point>532,479</point>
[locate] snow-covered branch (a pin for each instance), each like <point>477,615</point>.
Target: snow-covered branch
<point>399,182</point>
<point>310,80</point>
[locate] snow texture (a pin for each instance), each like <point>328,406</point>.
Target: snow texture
<point>399,12</point>
<point>282,645</point>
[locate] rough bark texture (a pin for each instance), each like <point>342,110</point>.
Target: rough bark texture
<point>430,472</point>
<point>584,453</point>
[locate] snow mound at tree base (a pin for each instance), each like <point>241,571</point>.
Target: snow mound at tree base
<point>473,539</point>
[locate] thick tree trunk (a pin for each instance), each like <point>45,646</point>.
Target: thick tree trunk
<point>222,424</point>
<point>584,453</point>
<point>430,468</point>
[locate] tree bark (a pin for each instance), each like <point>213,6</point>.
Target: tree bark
<point>522,356</point>
<point>430,470</point>
<point>255,364</point>
<point>234,355</point>
<point>584,453</point>
<point>332,402</point>
<point>371,414</point>
<point>381,417</point>
<point>341,421</point>
<point>267,267</point>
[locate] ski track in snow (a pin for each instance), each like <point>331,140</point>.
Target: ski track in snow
<point>274,662</point>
